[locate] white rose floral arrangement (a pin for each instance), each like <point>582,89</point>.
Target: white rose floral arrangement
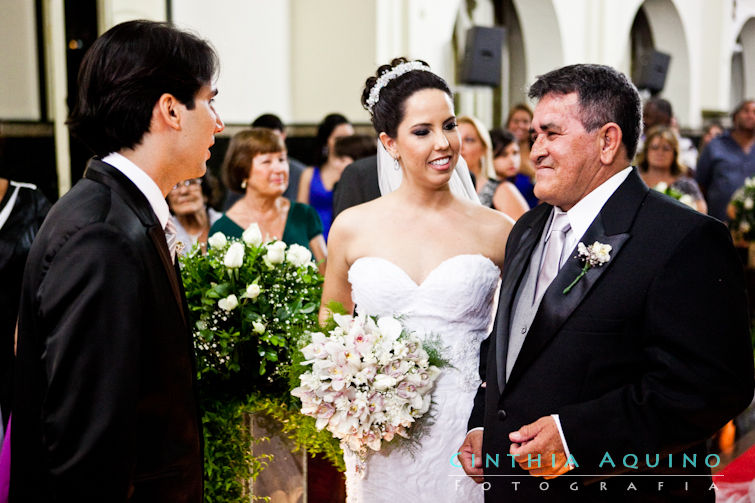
<point>741,212</point>
<point>370,381</point>
<point>670,191</point>
<point>249,300</point>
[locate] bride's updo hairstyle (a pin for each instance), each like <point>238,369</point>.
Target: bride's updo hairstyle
<point>386,100</point>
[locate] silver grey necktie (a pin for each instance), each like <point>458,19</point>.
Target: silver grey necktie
<point>554,249</point>
<point>171,237</point>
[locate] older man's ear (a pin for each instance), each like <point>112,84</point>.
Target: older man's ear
<point>610,143</point>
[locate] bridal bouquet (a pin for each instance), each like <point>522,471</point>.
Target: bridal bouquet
<point>670,191</point>
<point>370,381</point>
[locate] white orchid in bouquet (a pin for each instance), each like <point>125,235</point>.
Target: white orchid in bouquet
<point>249,302</point>
<point>370,381</point>
<point>741,211</point>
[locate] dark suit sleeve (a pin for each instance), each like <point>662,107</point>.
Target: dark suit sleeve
<point>698,370</point>
<point>89,303</point>
<point>348,190</point>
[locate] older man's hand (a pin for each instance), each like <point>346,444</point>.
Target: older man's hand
<point>542,439</point>
<point>471,455</point>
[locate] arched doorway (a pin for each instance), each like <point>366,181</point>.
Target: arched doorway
<point>657,25</point>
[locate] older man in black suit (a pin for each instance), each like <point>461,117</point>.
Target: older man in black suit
<point>105,404</point>
<point>621,340</point>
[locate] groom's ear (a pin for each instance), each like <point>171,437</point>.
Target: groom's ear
<point>389,144</point>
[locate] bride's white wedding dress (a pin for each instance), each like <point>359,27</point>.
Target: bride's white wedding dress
<point>454,302</point>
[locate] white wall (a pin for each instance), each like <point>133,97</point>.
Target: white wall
<point>112,12</point>
<point>333,44</point>
<point>252,41</point>
<point>19,78</point>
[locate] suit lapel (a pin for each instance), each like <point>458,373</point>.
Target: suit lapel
<point>513,272</point>
<point>101,172</point>
<point>611,226</point>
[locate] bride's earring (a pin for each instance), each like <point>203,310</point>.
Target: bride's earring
<point>243,183</point>
<point>395,164</point>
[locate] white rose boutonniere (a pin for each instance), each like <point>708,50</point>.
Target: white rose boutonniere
<point>595,255</point>
<point>252,235</point>
<point>234,257</point>
<point>217,240</point>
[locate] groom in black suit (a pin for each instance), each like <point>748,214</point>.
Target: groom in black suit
<point>105,406</point>
<point>628,368</point>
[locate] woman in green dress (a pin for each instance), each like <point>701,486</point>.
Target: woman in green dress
<point>256,166</point>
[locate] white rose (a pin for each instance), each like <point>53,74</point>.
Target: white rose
<point>258,327</point>
<point>661,187</point>
<point>383,382</point>
<point>298,255</point>
<point>744,226</point>
<point>234,257</point>
<point>253,291</point>
<point>229,303</point>
<point>252,235</point>
<point>748,203</point>
<point>217,240</point>
<point>276,253</point>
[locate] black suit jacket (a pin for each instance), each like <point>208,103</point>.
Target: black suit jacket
<point>648,354</point>
<point>358,184</point>
<point>105,399</point>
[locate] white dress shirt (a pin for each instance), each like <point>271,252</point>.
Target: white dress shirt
<point>144,183</point>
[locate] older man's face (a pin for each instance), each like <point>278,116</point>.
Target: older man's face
<point>565,156</point>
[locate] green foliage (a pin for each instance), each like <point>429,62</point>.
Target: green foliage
<point>244,349</point>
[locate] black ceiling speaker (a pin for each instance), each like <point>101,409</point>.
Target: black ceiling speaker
<point>482,56</point>
<point>650,71</point>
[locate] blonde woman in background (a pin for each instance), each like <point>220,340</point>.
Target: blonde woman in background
<point>659,163</point>
<point>476,149</point>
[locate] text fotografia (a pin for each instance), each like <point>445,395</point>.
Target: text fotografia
<point>603,485</point>
<point>628,461</point>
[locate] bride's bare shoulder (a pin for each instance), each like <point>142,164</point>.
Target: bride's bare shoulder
<point>357,217</point>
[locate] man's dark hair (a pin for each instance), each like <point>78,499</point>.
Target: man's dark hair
<point>605,95</point>
<point>663,106</point>
<point>269,121</point>
<point>356,146</point>
<point>124,74</point>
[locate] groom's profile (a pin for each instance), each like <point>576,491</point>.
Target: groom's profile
<point>622,327</point>
<point>105,404</point>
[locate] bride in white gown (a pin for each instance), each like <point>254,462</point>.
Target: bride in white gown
<point>428,251</point>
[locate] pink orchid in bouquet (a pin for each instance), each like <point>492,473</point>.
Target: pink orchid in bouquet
<point>370,380</point>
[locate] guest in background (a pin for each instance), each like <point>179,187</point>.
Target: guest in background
<point>476,149</point>
<point>23,207</point>
<point>352,148</point>
<point>316,184</point>
<point>659,163</point>
<point>710,131</point>
<point>728,160</point>
<point>518,122</point>
<point>295,167</point>
<point>659,112</point>
<point>191,204</point>
<point>499,192</point>
<point>255,164</point>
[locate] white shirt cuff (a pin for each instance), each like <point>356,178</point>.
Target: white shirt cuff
<point>563,441</point>
<point>475,429</point>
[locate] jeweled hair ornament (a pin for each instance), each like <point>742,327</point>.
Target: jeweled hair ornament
<point>388,76</point>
